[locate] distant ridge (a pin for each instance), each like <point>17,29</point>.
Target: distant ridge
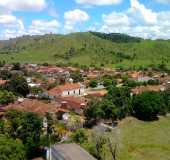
<point>117,37</point>
<point>87,48</point>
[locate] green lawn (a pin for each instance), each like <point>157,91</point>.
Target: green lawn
<point>140,140</point>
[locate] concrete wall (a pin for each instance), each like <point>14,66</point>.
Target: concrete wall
<point>75,92</point>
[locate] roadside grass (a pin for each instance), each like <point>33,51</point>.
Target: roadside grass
<point>144,140</point>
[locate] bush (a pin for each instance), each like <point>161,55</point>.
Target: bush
<point>6,97</point>
<point>148,105</point>
<point>18,85</point>
<point>26,127</point>
<point>93,83</point>
<point>11,149</point>
<point>80,136</point>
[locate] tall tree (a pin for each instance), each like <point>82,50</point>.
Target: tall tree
<point>148,105</point>
<point>18,85</point>
<point>27,127</point>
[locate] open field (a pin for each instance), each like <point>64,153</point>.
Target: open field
<point>87,49</point>
<point>144,140</point>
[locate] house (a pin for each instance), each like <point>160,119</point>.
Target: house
<point>134,74</point>
<point>93,74</point>
<point>69,89</point>
<point>50,70</point>
<point>96,93</point>
<point>2,82</point>
<point>76,104</point>
<point>31,67</point>
<point>144,79</point>
<point>36,106</point>
<point>68,152</point>
<point>141,89</point>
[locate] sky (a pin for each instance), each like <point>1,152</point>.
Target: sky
<point>142,18</point>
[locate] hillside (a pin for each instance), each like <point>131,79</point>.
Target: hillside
<point>86,48</point>
<point>139,140</point>
<point>149,140</point>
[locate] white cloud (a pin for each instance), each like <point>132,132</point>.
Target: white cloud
<point>98,2</point>
<point>23,5</point>
<point>43,27</point>
<point>11,33</point>
<point>38,27</point>
<point>10,21</point>
<point>11,26</point>
<point>116,19</point>
<point>138,21</point>
<point>73,17</point>
<point>144,14</point>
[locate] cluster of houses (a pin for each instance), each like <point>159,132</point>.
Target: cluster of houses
<point>65,97</point>
<point>73,97</point>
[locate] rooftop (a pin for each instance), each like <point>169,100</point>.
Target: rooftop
<point>141,89</point>
<point>73,102</point>
<point>66,87</point>
<point>71,152</point>
<point>2,82</point>
<point>36,106</point>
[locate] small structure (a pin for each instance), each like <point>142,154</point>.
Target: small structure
<point>144,79</point>
<point>36,106</point>
<point>69,89</point>
<point>76,104</point>
<point>68,152</point>
<point>141,89</point>
<point>96,93</point>
<point>2,82</point>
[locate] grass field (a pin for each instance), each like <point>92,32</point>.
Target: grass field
<point>89,49</point>
<point>140,140</point>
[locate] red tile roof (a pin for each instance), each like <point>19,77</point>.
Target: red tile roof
<point>73,102</point>
<point>134,74</point>
<point>35,106</point>
<point>2,82</point>
<point>50,69</point>
<point>141,89</point>
<point>66,87</point>
<point>99,93</point>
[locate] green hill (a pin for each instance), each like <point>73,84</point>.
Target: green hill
<point>89,48</point>
<point>138,140</point>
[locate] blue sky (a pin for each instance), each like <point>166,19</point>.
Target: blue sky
<point>144,18</point>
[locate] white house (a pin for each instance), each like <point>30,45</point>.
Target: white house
<point>69,89</point>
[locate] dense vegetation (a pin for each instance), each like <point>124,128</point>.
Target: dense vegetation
<point>18,85</point>
<point>87,49</point>
<point>20,128</point>
<point>117,37</point>
<point>119,103</point>
<point>131,139</point>
<point>11,149</point>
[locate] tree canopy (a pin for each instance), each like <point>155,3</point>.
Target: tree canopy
<point>18,85</point>
<point>25,126</point>
<point>6,97</point>
<point>148,105</point>
<point>11,149</point>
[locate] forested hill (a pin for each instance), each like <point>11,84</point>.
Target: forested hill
<point>117,37</point>
<point>88,48</point>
